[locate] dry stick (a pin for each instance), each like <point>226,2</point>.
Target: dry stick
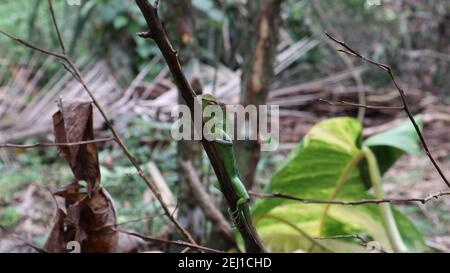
<point>350,203</point>
<point>27,44</point>
<point>118,139</point>
<point>345,103</point>
<point>157,33</point>
<point>58,33</point>
<point>36,145</point>
<point>129,222</point>
<point>178,243</point>
<point>350,51</point>
<point>162,185</point>
<point>150,183</point>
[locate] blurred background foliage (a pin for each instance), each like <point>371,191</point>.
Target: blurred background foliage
<point>411,34</point>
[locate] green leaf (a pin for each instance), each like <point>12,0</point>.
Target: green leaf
<point>389,146</point>
<point>312,170</point>
<point>403,137</point>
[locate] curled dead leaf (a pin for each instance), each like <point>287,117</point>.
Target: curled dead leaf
<point>90,221</point>
<point>74,123</point>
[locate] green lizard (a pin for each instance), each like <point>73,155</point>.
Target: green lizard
<point>224,146</point>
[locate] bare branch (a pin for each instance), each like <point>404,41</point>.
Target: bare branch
<point>69,70</point>
<point>157,33</point>
<point>58,33</point>
<point>350,203</point>
<point>78,76</point>
<point>34,47</point>
<point>44,145</point>
<point>129,222</point>
<point>178,243</point>
<point>348,50</point>
<point>345,103</point>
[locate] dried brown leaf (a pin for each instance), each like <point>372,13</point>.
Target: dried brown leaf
<point>74,123</point>
<point>90,221</point>
<point>90,217</point>
<point>59,235</point>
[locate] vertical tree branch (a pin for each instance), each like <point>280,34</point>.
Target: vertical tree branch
<point>157,33</point>
<point>180,24</point>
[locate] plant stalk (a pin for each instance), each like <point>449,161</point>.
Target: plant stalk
<point>387,216</point>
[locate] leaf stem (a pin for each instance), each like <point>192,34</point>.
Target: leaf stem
<point>387,216</point>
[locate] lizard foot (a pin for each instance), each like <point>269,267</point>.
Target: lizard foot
<point>234,217</point>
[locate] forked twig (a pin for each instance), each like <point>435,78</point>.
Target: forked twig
<point>78,76</point>
<point>46,145</point>
<point>178,243</point>
<point>345,103</point>
<point>423,200</point>
<point>157,33</point>
<point>350,51</point>
<point>55,23</point>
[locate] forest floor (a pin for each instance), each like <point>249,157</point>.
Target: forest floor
<point>29,208</point>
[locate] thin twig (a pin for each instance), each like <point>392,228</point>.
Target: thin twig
<point>150,183</point>
<point>34,47</point>
<point>118,139</point>
<point>178,243</point>
<point>345,103</point>
<point>44,145</point>
<point>423,200</point>
<point>58,33</point>
<point>162,185</point>
<point>128,222</point>
<point>69,70</point>
<point>350,51</point>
